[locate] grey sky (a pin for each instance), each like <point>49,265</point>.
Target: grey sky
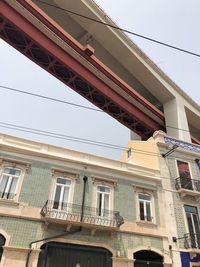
<point>175,22</point>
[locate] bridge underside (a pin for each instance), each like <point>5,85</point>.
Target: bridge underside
<point>33,43</point>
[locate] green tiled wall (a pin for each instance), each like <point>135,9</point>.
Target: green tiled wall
<point>23,232</point>
<point>37,182</point>
<point>178,201</point>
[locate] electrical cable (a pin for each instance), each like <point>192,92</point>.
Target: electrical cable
<point>121,29</point>
<point>49,98</point>
<point>74,104</point>
<point>60,136</point>
<point>71,138</point>
<point>29,131</point>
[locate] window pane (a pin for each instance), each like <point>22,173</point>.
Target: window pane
<point>183,168</point>
<point>57,197</point>
<point>3,184</point>
<point>190,209</point>
<point>12,189</point>
<point>190,225</point>
<point>103,189</point>
<point>66,194</point>
<point>144,197</point>
<point>106,205</point>
<point>12,171</point>
<point>148,212</point>
<point>99,203</point>
<point>142,211</point>
<point>196,223</point>
<point>63,181</point>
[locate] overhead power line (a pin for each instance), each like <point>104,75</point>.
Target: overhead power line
<point>60,136</point>
<point>72,104</point>
<point>81,140</point>
<point>121,29</point>
<point>48,98</point>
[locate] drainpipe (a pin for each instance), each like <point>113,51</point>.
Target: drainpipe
<point>83,198</point>
<point>46,239</point>
<point>65,233</point>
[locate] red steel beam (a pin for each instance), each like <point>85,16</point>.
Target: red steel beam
<point>46,20</point>
<point>113,103</point>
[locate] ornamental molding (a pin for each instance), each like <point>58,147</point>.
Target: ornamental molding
<point>104,181</point>
<point>182,144</point>
<point>15,163</point>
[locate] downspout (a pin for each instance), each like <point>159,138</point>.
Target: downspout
<point>83,197</point>
<point>65,233</point>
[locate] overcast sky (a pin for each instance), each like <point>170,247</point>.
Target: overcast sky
<point>175,22</point>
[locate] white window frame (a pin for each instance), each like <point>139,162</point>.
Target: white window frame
<point>100,182</point>
<point>145,206</point>
<point>62,190</point>
<point>22,170</point>
<point>98,192</point>
<point>192,204</point>
<point>139,190</point>
<point>189,166</point>
<point>64,175</point>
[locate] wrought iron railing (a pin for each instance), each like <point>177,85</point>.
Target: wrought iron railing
<point>192,241</point>
<point>187,183</point>
<point>73,213</point>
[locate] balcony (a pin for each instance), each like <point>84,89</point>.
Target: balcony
<point>73,214</point>
<point>188,187</point>
<point>192,241</point>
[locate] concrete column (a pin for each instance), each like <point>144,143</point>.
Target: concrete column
<point>14,257</point>
<point>34,258</point>
<point>135,136</point>
<point>176,120</point>
<point>121,262</point>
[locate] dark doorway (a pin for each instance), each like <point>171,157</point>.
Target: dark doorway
<point>2,243</point>
<point>55,254</point>
<point>147,258</point>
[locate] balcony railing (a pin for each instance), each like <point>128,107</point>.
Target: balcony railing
<point>188,184</point>
<point>67,212</point>
<point>192,241</point>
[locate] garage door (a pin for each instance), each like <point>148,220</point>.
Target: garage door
<point>55,254</point>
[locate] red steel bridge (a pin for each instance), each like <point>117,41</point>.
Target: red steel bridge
<point>41,33</point>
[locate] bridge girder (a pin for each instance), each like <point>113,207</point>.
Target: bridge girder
<point>30,41</point>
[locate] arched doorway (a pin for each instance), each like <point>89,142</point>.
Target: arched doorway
<point>54,254</point>
<point>147,258</point>
<point>2,243</point>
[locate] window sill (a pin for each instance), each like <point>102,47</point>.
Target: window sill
<point>9,202</point>
<point>145,223</point>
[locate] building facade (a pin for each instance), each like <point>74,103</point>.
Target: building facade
<point>180,167</point>
<point>59,205</point>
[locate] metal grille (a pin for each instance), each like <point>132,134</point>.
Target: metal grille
<point>72,212</point>
<point>62,255</point>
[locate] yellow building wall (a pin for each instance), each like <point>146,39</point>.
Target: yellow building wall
<point>143,153</point>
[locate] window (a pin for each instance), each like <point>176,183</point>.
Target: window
<point>62,193</point>
<point>145,207</point>
<point>9,182</point>
<point>193,225</point>
<point>129,153</point>
<point>103,200</point>
<point>184,174</point>
<point>183,169</point>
